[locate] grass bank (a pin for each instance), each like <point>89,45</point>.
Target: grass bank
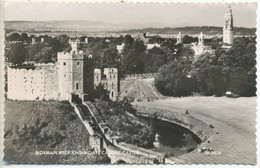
<point>32,126</point>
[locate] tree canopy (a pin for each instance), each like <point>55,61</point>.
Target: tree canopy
<point>17,54</point>
<point>212,73</point>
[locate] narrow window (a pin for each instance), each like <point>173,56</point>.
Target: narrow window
<point>114,76</point>
<point>64,63</point>
<point>77,86</point>
<point>112,94</point>
<point>97,77</point>
<point>77,63</point>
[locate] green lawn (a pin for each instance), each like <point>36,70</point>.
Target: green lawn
<point>48,126</point>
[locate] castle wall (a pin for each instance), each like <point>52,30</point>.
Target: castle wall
<point>51,83</point>
<point>77,76</point>
<point>110,82</point>
<point>34,83</point>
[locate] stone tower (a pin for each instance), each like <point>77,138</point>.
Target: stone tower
<point>179,38</point>
<point>201,39</point>
<point>70,73</point>
<point>228,27</point>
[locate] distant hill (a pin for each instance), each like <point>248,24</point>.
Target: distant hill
<point>61,26</point>
<point>207,30</point>
<point>94,26</point>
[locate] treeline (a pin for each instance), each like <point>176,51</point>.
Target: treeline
<point>212,73</point>
<point>41,51</point>
<point>208,30</point>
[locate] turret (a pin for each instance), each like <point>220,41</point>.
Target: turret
<point>201,39</point>
<point>75,45</point>
<point>179,38</point>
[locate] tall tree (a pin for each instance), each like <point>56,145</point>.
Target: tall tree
<point>44,56</point>
<point>17,54</point>
<point>132,59</point>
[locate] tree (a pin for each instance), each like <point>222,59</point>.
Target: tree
<point>109,58</point>
<point>172,80</point>
<point>101,93</point>
<point>13,37</point>
<point>209,75</point>
<point>34,49</point>
<point>17,54</point>
<point>132,59</point>
<point>64,42</point>
<point>44,56</point>
<point>95,49</point>
<point>214,43</point>
<point>128,40</point>
<point>187,39</point>
<point>24,38</point>
<point>154,59</point>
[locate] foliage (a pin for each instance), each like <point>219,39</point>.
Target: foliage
<point>104,54</point>
<point>212,73</point>
<point>187,39</point>
<point>13,37</point>
<point>173,80</point>
<point>34,49</point>
<point>154,59</point>
<point>227,70</point>
<point>45,126</point>
<point>44,56</point>
<point>129,128</point>
<point>132,59</point>
<point>17,54</point>
<point>101,93</point>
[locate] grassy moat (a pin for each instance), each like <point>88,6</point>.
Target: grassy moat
<point>33,126</point>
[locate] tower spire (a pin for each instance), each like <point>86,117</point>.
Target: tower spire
<point>228,26</point>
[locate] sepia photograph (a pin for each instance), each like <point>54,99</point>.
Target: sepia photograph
<point>129,83</point>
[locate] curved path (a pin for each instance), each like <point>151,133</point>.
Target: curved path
<point>233,119</point>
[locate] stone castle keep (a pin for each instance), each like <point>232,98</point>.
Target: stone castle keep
<point>72,75</point>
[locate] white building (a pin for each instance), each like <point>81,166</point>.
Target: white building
<point>120,48</point>
<point>150,46</point>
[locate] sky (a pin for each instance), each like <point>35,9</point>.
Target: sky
<point>149,14</point>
